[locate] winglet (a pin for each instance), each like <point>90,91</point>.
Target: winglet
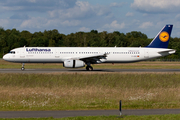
<point>162,38</point>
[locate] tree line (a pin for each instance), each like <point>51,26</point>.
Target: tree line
<point>10,39</point>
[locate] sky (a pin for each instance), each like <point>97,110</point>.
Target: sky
<point>71,16</point>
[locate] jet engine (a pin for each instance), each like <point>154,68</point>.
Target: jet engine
<point>73,64</point>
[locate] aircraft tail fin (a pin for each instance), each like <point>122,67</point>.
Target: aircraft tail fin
<point>162,38</point>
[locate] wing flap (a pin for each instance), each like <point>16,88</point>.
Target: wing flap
<point>97,58</point>
<point>93,56</point>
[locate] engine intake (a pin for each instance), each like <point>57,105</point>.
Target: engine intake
<point>73,64</point>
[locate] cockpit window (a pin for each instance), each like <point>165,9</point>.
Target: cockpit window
<point>12,52</point>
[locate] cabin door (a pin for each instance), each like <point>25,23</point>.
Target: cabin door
<point>57,54</point>
<point>22,53</point>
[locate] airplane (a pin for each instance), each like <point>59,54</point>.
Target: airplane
<point>78,57</point>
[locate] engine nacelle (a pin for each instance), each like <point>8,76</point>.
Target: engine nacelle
<point>73,64</point>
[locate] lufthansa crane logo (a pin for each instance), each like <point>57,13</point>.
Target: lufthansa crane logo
<point>164,36</point>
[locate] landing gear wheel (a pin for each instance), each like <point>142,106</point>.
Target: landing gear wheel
<point>89,68</point>
<point>22,68</point>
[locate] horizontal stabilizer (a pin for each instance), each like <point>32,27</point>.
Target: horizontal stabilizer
<point>170,51</point>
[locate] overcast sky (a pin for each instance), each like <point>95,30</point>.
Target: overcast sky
<point>70,16</point>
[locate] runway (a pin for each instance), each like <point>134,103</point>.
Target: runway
<point>61,114</point>
<point>33,71</point>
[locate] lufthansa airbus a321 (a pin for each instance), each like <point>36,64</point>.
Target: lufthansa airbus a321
<point>77,57</point>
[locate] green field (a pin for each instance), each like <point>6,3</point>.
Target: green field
<point>79,91</point>
<point>150,117</point>
<point>91,91</point>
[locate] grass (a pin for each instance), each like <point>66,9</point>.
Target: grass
<point>78,91</point>
<point>138,65</point>
<point>150,117</point>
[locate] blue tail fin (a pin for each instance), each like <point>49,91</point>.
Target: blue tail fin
<point>162,38</point>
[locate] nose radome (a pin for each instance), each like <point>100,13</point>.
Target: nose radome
<point>5,57</point>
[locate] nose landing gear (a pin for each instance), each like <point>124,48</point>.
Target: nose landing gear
<point>23,67</point>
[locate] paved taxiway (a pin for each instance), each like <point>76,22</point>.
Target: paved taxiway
<point>61,114</point>
<point>31,71</point>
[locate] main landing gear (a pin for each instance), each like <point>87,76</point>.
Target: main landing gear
<point>89,67</point>
<point>23,67</point>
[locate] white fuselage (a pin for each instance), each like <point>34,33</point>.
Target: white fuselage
<point>60,54</point>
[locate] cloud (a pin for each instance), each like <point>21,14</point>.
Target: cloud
<point>129,14</point>
<point>156,6</point>
<point>84,29</point>
<point>178,17</point>
<point>4,22</point>
<point>35,5</point>
<point>146,25</point>
<point>70,23</point>
<point>55,8</point>
<point>38,22</point>
<point>116,4</point>
<point>10,23</point>
<point>42,14</point>
<point>115,25</point>
<point>81,10</point>
<point>33,1</point>
<point>69,16</point>
<point>65,15</point>
<point>34,23</point>
<point>19,16</point>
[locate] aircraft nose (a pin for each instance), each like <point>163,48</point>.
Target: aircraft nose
<point>5,57</point>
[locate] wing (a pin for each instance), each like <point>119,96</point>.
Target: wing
<point>92,59</point>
